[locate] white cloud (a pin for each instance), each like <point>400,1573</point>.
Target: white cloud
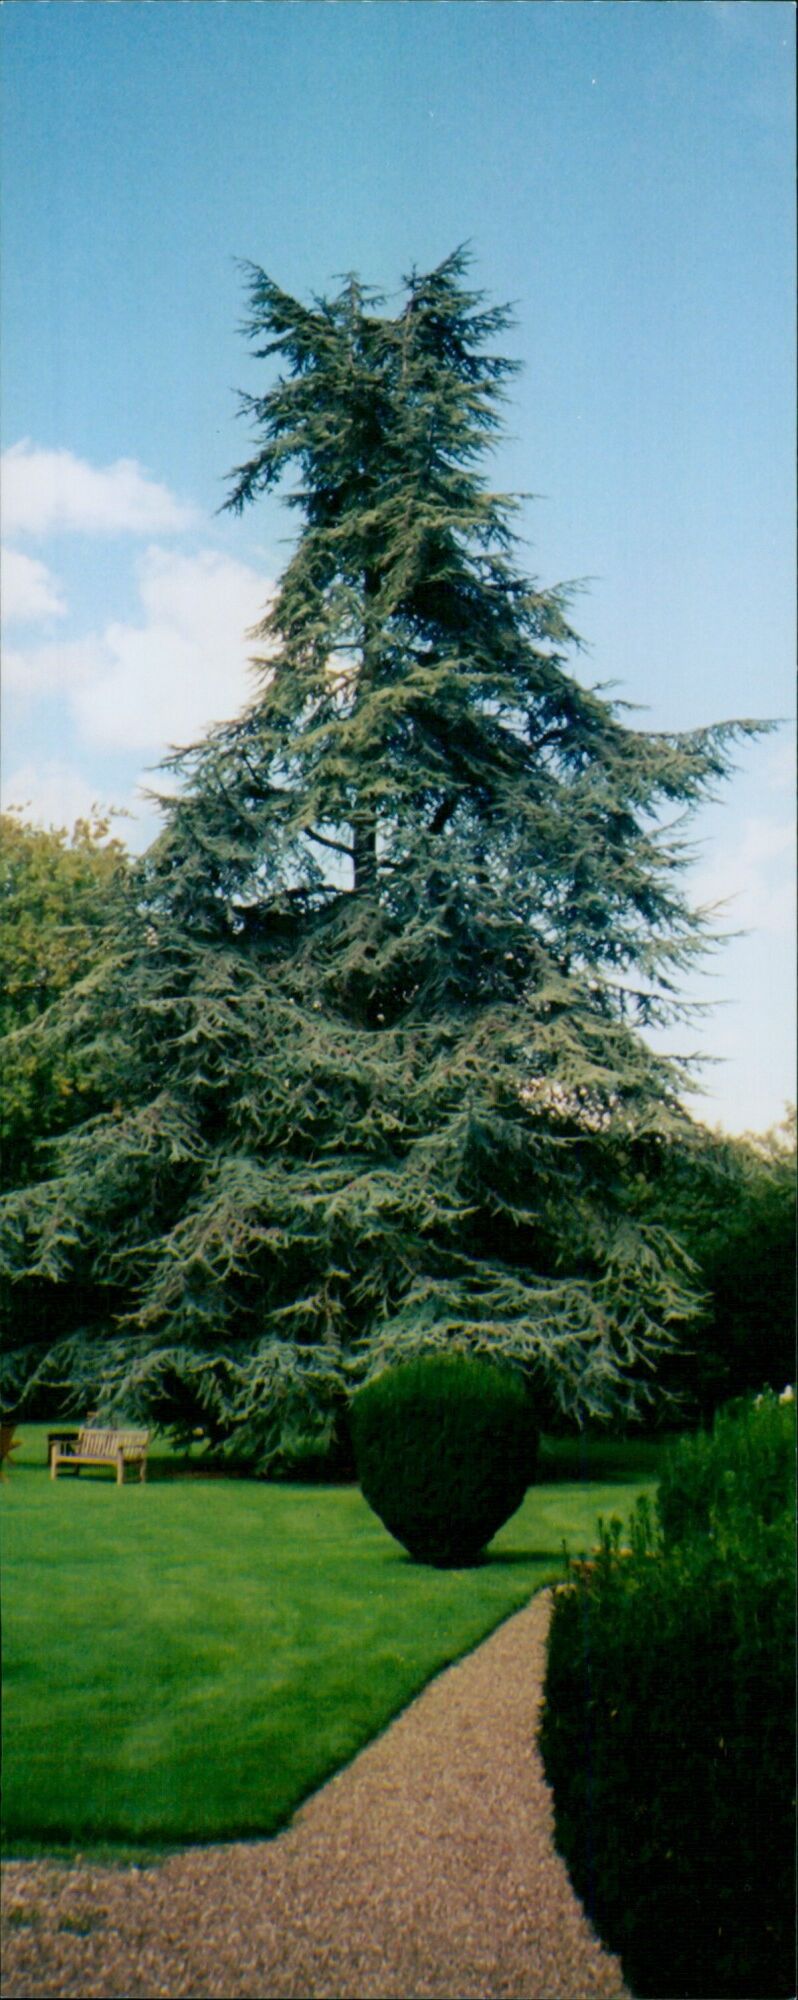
<point>45,491</point>
<point>185,665</point>
<point>54,667</point>
<point>53,794</point>
<point>29,592</point>
<point>780,771</point>
<point>753,878</point>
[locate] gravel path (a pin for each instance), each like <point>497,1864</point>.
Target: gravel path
<point>426,1868</point>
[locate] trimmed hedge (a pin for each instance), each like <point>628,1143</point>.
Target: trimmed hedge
<point>668,1735</point>
<point>445,1449</point>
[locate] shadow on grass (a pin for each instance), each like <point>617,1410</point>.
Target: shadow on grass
<point>578,1459</point>
<point>488,1558</point>
<point>594,1460</point>
<point>510,1558</point>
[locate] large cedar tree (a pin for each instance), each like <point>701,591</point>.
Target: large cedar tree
<point>377,1080</point>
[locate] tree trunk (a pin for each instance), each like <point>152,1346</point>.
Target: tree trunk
<point>365,831</point>
<point>364,825</point>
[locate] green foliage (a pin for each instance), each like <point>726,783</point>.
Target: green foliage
<point>59,895</point>
<point>380,983</point>
<point>732,1204</point>
<point>723,1482</point>
<point>224,1645</point>
<point>445,1450</point>
<point>58,892</point>
<point>668,1726</point>
<point>61,1059</point>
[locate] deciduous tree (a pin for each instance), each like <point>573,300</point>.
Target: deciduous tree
<point>731,1202</point>
<point>59,895</point>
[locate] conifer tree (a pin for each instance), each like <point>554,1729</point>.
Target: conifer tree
<point>374,1016</point>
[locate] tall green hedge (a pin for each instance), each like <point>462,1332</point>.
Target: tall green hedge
<point>668,1729</point>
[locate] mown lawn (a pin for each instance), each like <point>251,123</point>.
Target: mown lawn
<point>186,1660</point>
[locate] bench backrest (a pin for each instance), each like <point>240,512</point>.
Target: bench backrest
<point>106,1444</point>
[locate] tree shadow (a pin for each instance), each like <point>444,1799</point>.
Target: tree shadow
<point>514,1557</point>
<point>487,1559</point>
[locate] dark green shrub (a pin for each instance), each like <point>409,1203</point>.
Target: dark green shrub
<point>444,1449</point>
<point>743,1471</point>
<point>731,1203</point>
<point>744,1242</point>
<point>668,1737</point>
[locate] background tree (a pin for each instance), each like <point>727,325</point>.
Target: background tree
<point>385,975</point>
<point>59,893</point>
<point>731,1202</point>
<point>60,896</point>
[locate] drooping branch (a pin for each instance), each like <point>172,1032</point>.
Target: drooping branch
<point>323,839</point>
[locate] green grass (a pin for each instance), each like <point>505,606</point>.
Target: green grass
<point>186,1660</point>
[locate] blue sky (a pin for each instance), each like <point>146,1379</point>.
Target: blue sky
<point>624,172</point>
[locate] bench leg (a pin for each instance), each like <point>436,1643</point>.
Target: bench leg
<point>120,1468</point>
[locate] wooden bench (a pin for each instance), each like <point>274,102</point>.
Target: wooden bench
<point>96,1447</point>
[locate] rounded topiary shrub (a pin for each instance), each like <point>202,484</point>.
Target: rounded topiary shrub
<point>445,1449</point>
